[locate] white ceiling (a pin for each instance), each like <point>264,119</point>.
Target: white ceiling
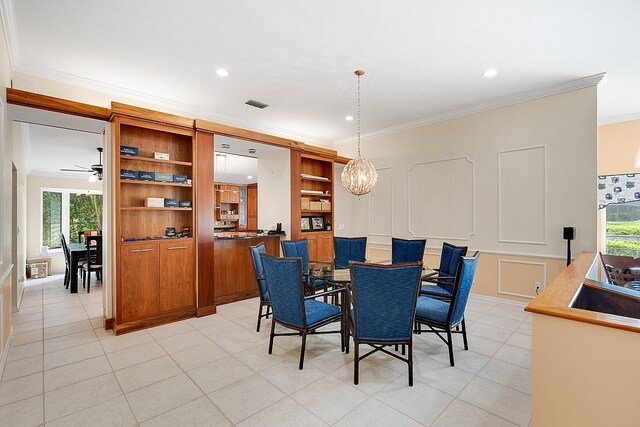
<point>423,58</point>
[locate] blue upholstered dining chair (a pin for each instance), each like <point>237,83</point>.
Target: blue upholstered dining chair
<point>443,316</point>
<point>290,307</point>
<point>261,281</point>
<point>403,250</point>
<point>300,248</point>
<point>349,249</point>
<point>384,305</point>
<point>443,282</point>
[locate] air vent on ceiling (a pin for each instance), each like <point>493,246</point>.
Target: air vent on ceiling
<point>257,104</point>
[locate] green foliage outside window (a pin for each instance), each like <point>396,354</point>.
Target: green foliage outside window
<point>51,219</point>
<point>85,213</point>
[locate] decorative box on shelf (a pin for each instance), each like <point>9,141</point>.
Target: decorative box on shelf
<point>171,203</point>
<point>304,203</point>
<point>161,156</point>
<point>180,179</point>
<point>128,174</point>
<point>146,176</point>
<point>128,151</point>
<point>164,177</point>
<point>315,206</point>
<point>154,202</point>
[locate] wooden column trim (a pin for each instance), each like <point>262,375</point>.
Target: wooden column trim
<point>125,110</point>
<point>58,105</point>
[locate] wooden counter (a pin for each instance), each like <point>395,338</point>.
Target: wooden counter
<point>583,369</point>
<point>234,276</point>
<point>556,299</point>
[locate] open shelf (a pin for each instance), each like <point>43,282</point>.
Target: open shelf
<point>316,211</point>
<point>152,160</point>
<point>303,178</point>
<point>144,208</point>
<point>160,183</point>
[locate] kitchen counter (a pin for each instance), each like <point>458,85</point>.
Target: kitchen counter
<point>229,235</point>
<point>234,275</point>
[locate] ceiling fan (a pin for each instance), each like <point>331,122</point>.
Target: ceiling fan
<point>96,169</point>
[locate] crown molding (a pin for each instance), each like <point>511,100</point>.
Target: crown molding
<point>618,119</point>
<point>518,98</point>
<point>10,33</point>
<point>180,107</point>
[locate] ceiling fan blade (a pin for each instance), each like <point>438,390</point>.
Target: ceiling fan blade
<point>75,170</point>
<point>82,167</point>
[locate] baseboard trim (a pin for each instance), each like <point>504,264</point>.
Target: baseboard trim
<point>123,328</point>
<point>5,352</point>
<point>500,300</point>
<point>107,323</point>
<point>226,299</point>
<point>206,311</point>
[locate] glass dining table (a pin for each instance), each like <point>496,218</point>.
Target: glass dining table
<point>339,276</point>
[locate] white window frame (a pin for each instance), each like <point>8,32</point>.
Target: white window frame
<point>65,209</point>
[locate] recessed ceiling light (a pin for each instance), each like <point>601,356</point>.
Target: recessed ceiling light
<point>249,177</point>
<point>222,72</point>
<point>490,73</point>
<point>349,118</point>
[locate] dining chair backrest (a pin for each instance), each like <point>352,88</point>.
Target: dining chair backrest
<point>384,300</point>
<point>259,269</point>
<point>94,242</point>
<point>65,249</point>
<point>403,250</point>
<point>349,249</point>
<point>297,248</point>
<point>449,260</point>
<point>284,282</point>
<point>462,288</point>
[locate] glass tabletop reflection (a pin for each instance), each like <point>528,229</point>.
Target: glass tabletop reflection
<point>331,272</point>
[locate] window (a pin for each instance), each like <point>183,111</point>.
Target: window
<point>69,212</point>
<point>623,229</point>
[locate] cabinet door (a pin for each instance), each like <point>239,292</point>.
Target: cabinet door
<point>325,246</point>
<point>138,290</point>
<point>252,208</point>
<point>313,245</point>
<point>234,194</point>
<point>177,268</point>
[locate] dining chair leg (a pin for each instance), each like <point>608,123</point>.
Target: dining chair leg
<point>403,350</point>
<point>273,327</point>
<point>410,362</point>
<point>260,316</point>
<point>304,342</point>
<point>450,344</point>
<point>356,361</point>
<point>464,335</point>
<point>89,280</point>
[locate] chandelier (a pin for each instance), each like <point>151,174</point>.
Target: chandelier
<point>359,175</point>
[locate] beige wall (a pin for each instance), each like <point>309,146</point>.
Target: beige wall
<point>618,148</point>
<point>479,158</point>
<point>584,374</point>
<point>274,191</point>
<point>35,184</point>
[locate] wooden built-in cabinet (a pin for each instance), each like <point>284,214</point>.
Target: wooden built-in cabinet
<point>155,275</point>
<point>252,206</point>
<point>312,196</point>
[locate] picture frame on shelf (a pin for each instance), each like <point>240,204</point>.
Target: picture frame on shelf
<point>305,223</point>
<point>317,223</point>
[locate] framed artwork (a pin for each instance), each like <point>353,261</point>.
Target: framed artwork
<point>305,223</point>
<point>317,223</point>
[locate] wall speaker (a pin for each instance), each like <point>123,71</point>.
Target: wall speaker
<point>569,233</point>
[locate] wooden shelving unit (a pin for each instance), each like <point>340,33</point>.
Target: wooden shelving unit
<point>155,276</point>
<point>312,181</point>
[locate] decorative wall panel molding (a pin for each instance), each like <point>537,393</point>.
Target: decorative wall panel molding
<point>520,281</point>
<point>522,195</point>
<point>434,187</point>
<point>381,205</point>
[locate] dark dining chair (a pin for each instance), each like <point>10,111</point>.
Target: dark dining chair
<point>300,248</point>
<point>349,249</point>
<point>261,281</point>
<point>291,308</point>
<point>384,306</point>
<point>67,261</point>
<point>403,250</point>
<point>443,282</point>
<point>444,316</point>
<point>93,262</point>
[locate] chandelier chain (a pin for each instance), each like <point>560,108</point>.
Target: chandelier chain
<point>358,114</point>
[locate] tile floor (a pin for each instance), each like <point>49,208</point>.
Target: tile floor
<point>63,369</point>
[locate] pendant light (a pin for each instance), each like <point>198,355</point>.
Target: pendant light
<point>359,175</point>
